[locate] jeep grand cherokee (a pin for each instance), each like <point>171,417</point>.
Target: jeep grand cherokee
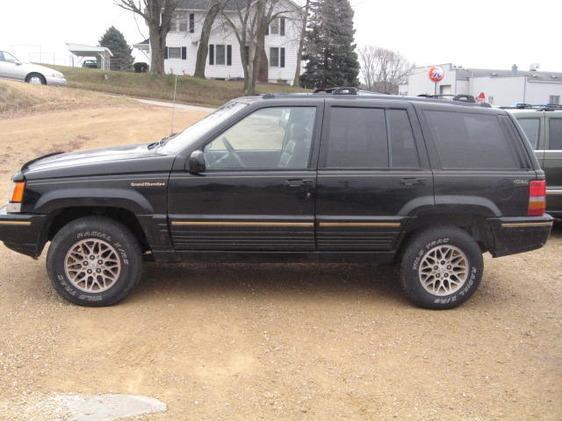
<point>333,176</point>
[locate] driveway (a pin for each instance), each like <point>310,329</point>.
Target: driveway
<point>291,341</point>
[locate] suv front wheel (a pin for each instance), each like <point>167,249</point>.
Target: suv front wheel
<point>94,261</point>
<point>441,268</point>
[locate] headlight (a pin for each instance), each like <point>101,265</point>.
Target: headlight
<point>16,199</point>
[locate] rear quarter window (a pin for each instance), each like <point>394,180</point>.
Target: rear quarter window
<point>531,127</point>
<point>555,134</point>
<point>472,141</point>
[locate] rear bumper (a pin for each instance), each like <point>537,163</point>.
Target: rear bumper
<point>519,234</point>
<point>23,233</point>
<point>554,201</point>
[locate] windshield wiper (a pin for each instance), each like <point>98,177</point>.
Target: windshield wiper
<point>161,142</point>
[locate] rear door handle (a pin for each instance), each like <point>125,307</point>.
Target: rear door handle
<point>412,181</point>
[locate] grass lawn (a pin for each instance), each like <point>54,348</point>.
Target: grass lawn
<point>147,85</point>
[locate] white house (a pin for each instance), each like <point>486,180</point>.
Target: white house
<point>498,87</point>
<point>224,60</point>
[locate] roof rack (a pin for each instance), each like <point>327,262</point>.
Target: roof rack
<point>462,98</point>
<point>537,107</point>
<point>339,90</point>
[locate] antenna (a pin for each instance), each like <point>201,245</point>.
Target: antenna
<point>174,105</point>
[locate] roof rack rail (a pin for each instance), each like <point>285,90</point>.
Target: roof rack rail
<point>338,90</point>
<point>537,107</point>
<point>347,90</point>
<point>460,97</point>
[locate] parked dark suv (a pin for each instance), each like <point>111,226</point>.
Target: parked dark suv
<point>543,127</point>
<point>426,183</point>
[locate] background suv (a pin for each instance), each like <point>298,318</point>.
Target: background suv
<point>543,128</point>
<point>428,184</point>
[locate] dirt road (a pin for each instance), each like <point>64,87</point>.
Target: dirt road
<point>273,341</point>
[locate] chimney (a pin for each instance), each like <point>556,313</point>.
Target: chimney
<point>514,69</point>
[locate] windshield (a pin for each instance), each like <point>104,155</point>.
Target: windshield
<point>5,56</point>
<point>194,132</point>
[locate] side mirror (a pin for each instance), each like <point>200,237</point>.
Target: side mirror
<point>197,162</point>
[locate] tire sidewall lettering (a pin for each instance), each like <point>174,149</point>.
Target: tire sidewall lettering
<point>426,248</point>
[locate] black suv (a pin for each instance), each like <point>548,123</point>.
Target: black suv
<point>333,176</point>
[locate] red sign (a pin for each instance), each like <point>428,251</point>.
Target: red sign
<point>436,74</point>
<point>481,97</point>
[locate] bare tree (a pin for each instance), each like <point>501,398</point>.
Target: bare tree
<point>297,79</point>
<point>158,15</point>
<point>383,70</point>
<point>213,9</point>
<point>249,22</point>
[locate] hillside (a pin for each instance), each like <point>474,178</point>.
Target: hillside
<point>18,98</point>
<point>147,85</point>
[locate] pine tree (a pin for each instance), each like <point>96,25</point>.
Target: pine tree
<point>330,46</point>
<point>114,40</point>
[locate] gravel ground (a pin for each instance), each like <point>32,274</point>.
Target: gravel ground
<point>293,341</point>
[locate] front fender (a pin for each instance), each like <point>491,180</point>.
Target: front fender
<point>130,200</point>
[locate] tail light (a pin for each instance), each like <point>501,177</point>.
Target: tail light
<point>537,197</point>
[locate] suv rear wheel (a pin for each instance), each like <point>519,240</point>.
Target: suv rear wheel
<point>94,261</point>
<point>441,268</point>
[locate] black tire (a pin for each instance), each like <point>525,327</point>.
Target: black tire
<point>421,246</point>
<point>111,233</point>
<point>38,75</point>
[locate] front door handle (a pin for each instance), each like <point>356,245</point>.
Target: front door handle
<point>412,181</point>
<point>298,183</point>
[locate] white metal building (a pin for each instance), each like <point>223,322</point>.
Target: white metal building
<point>498,87</point>
<point>224,60</point>
<point>101,54</point>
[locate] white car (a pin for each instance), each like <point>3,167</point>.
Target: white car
<point>12,68</point>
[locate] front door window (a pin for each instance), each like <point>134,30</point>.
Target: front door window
<point>277,138</point>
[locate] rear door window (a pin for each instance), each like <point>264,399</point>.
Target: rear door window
<point>403,151</point>
<point>531,127</point>
<point>357,138</point>
<point>472,141</point>
<point>369,138</point>
<point>555,134</point>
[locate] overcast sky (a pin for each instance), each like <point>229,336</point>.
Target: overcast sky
<point>474,33</point>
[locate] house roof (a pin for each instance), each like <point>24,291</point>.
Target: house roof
<point>88,50</point>
<point>202,4</point>
<point>230,4</point>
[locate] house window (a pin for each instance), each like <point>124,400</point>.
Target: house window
<point>277,57</point>
<point>554,99</point>
<point>179,22</point>
<point>220,58</point>
<point>174,53</point>
<point>220,54</point>
<point>277,27</point>
<point>192,23</point>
